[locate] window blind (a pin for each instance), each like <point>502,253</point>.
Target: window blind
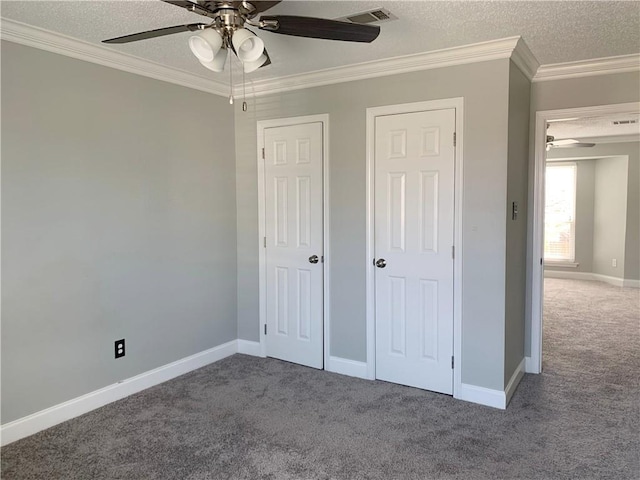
<point>559,214</point>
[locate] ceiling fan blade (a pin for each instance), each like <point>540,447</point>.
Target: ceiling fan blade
<point>192,27</point>
<point>573,145</point>
<point>565,141</point>
<point>319,28</point>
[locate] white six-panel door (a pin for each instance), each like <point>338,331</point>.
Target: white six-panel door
<point>414,235</point>
<point>293,159</point>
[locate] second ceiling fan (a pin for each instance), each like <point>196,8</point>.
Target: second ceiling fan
<point>228,31</point>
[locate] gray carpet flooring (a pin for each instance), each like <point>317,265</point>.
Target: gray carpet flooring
<point>250,418</point>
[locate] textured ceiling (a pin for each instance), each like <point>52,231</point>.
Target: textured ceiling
<point>556,31</point>
<point>588,127</point>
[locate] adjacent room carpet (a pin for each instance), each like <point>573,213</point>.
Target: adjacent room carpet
<point>252,418</point>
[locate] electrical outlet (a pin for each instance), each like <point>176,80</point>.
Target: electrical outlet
<point>614,262</point>
<point>119,348</point>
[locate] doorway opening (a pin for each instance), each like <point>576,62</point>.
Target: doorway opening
<point>580,145</point>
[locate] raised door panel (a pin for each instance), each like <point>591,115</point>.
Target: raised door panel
<point>293,225</point>
<point>413,232</point>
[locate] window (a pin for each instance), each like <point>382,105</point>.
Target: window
<point>560,213</point>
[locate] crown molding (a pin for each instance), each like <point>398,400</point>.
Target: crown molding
<point>511,47</point>
<point>587,68</point>
<point>478,52</point>
<point>23,34</point>
<point>524,59</point>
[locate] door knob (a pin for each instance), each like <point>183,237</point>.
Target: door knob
<point>313,259</point>
<point>381,263</point>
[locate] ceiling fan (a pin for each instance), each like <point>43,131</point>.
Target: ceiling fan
<point>566,143</point>
<point>227,31</point>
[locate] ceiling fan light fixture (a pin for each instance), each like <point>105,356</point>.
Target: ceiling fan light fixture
<point>256,64</point>
<point>248,46</point>
<point>217,64</point>
<point>205,45</point>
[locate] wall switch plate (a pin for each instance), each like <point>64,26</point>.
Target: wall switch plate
<point>614,262</point>
<point>119,348</point>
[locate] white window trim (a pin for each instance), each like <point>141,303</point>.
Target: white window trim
<point>561,264</point>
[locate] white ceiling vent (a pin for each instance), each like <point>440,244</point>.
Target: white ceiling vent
<point>624,122</point>
<point>378,15</point>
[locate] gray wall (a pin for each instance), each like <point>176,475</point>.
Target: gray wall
<point>585,92</point>
<point>610,216</point>
<point>571,93</point>
<point>484,87</point>
<point>585,190</point>
<point>632,241</point>
<point>631,150</point>
<point>516,253</point>
<point>118,211</point>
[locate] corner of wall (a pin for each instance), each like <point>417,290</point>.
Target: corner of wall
<point>516,219</point>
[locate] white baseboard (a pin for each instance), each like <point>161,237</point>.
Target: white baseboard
<point>493,398</point>
<point>249,348</point>
<point>530,366</point>
<point>569,275</point>
<point>348,367</point>
<point>514,381</point>
<point>482,396</point>
<point>615,281</point>
<point>36,422</point>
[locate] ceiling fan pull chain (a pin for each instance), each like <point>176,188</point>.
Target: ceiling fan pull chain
<point>230,77</point>
<point>244,93</point>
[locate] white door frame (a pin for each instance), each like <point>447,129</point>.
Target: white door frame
<point>372,113</point>
<point>533,364</point>
<point>262,258</point>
